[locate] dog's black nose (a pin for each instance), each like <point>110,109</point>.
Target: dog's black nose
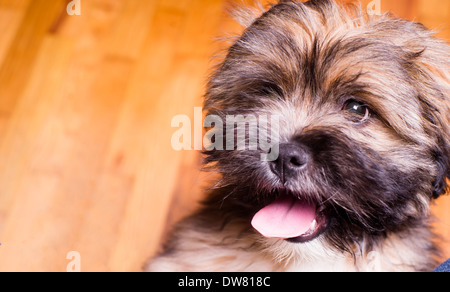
<point>292,158</point>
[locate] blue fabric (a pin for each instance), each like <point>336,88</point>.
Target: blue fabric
<point>444,268</point>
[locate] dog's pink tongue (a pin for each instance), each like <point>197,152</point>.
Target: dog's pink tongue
<point>285,218</point>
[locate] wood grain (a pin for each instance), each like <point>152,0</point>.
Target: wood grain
<point>86,104</point>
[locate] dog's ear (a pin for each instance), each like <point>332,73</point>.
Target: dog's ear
<point>429,66</point>
<point>434,66</point>
<point>442,159</point>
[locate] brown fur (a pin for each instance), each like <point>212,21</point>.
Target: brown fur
<point>374,180</point>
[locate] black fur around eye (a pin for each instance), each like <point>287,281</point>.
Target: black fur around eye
<point>358,111</point>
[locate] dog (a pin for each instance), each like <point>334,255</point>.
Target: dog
<point>364,116</point>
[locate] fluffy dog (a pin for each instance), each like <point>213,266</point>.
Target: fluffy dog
<point>364,111</point>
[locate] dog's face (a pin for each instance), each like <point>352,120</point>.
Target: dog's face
<point>364,110</point>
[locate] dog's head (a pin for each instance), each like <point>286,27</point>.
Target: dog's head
<point>364,115</point>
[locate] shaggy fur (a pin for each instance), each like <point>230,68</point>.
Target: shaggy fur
<point>373,179</point>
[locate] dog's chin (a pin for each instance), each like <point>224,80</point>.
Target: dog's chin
<point>318,225</point>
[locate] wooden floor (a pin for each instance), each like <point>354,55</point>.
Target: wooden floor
<point>86,103</point>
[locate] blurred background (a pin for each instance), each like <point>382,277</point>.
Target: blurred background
<point>86,103</point>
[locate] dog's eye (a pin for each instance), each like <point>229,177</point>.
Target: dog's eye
<point>358,112</point>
